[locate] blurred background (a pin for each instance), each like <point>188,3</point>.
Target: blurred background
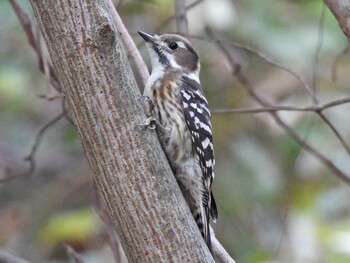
<point>276,202</point>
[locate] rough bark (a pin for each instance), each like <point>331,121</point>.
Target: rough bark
<point>133,175</point>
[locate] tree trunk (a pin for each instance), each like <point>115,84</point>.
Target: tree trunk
<point>144,201</point>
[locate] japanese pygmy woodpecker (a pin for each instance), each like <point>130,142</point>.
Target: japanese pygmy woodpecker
<point>185,129</point>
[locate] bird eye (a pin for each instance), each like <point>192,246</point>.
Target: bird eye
<point>173,46</point>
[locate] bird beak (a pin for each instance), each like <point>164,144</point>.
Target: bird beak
<point>148,38</point>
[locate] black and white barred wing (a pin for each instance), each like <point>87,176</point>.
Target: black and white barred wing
<point>197,117</point>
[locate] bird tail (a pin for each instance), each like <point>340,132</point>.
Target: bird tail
<point>201,217</point>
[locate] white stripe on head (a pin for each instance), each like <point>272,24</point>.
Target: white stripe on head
<point>181,44</point>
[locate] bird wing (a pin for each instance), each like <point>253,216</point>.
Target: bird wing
<point>197,116</point>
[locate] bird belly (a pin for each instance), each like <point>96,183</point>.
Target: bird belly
<point>174,134</point>
<point>176,140</point>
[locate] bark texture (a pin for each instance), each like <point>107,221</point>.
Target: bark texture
<point>133,175</point>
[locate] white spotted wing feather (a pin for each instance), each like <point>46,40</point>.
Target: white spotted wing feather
<point>197,117</point>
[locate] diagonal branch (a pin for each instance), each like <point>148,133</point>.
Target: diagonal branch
<point>335,131</point>
<point>311,91</point>
<point>314,77</point>
<point>34,42</point>
<point>218,250</point>
<point>237,72</point>
<point>73,255</point>
<point>31,156</point>
<point>261,55</point>
<point>313,108</point>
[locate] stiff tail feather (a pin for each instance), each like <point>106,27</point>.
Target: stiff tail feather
<point>201,217</point>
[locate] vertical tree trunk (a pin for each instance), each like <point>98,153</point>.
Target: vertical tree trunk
<point>142,196</point>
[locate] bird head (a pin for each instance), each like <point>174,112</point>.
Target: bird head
<point>171,51</point>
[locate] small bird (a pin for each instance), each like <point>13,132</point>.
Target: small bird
<point>183,116</point>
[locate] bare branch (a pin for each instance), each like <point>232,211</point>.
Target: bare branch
<point>31,156</point>
<point>260,54</point>
<point>51,98</point>
<point>313,108</point>
<point>73,255</point>
<point>34,42</point>
<point>166,22</point>
<point>335,131</point>
<point>181,16</point>
<point>218,250</point>
<point>129,44</point>
<point>312,91</point>
<point>8,258</point>
<point>314,78</point>
<point>237,72</point>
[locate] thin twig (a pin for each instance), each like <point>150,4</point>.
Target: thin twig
<point>260,54</point>
<point>51,97</point>
<point>312,92</point>
<point>73,255</point>
<point>181,16</point>
<point>218,250</point>
<point>31,156</point>
<point>335,131</point>
<point>314,78</point>
<point>34,42</point>
<point>237,72</point>
<point>313,108</point>
<point>171,18</point>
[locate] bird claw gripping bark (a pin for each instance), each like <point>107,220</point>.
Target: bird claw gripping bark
<point>151,122</point>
